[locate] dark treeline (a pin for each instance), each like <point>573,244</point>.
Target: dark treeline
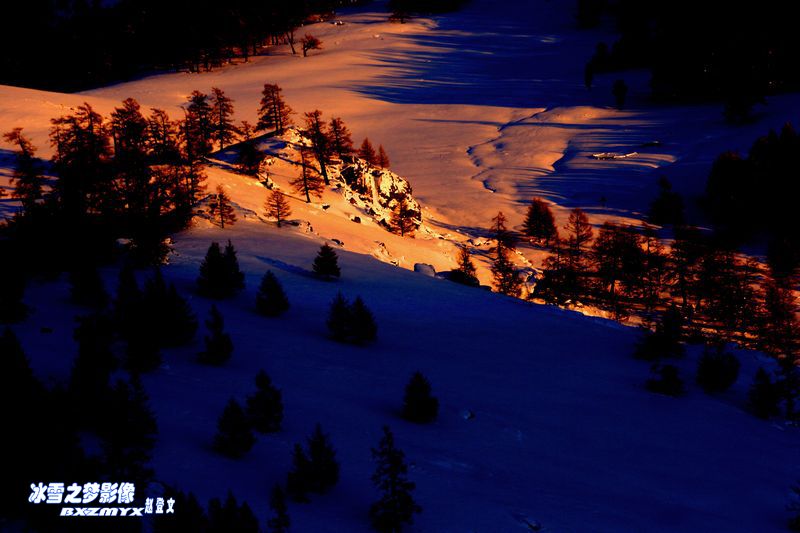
<point>754,196</point>
<point>627,271</point>
<point>82,43</point>
<point>701,50</point>
<point>130,175</point>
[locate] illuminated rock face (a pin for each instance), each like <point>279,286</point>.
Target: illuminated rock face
<point>377,190</point>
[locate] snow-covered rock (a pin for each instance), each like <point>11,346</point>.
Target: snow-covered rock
<point>425,269</point>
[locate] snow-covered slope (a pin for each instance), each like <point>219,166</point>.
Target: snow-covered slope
<point>564,433</point>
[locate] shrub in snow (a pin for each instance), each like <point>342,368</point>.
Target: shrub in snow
<point>271,300</point>
<point>717,370</point>
<point>234,437</point>
<point>396,505</point>
<point>418,404</point>
<point>765,395</point>
<point>279,522</point>
<point>315,470</point>
<point>230,516</point>
<point>326,264</point>
<point>353,323</point>
<point>265,407</point>
<point>219,346</point>
<point>220,276</point>
<point>666,380</point>
<point>665,341</point>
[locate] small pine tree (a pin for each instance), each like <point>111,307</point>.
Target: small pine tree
<point>221,209</point>
<point>223,129</point>
<point>367,152</point>
<point>166,314</point>
<point>465,273</point>
<point>211,281</point>
<point>506,278</point>
<point>234,437</point>
<point>363,326</point>
<point>326,264</point>
<point>298,478</point>
<point>87,287</point>
<point>277,206</point>
<point>340,319</point>
<point>235,276</point>
<point>418,404</point>
<point>271,300</point>
<point>402,220</point>
<point>717,370</point>
<point>279,522</point>
<point>382,159</point>
<point>219,346</point>
<point>539,223</point>
<point>765,395</point>
<point>274,114</point>
<point>341,142</point>
<point>396,505</point>
<point>265,407</point>
<point>324,468</point>
<point>666,380</point>
<point>179,323</point>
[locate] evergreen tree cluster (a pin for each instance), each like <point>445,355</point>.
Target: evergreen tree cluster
<point>351,322</point>
<point>220,276</point>
<point>626,270</point>
<point>314,468</point>
<point>263,412</point>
